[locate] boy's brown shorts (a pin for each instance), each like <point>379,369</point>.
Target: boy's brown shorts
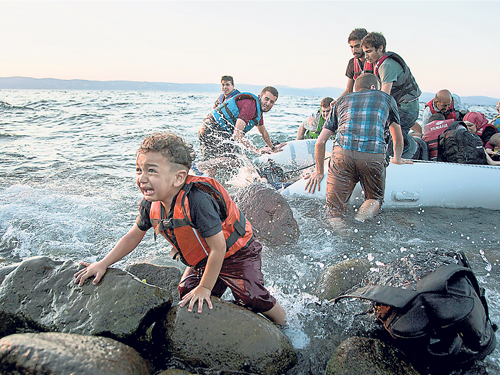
<point>345,169</point>
<point>241,273</point>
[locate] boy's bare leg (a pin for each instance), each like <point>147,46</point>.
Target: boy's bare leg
<point>276,314</point>
<point>368,209</point>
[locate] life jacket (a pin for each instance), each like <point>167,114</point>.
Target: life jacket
<point>458,145</point>
<point>431,133</point>
<point>313,134</point>
<point>496,123</point>
<point>226,114</point>
<point>358,69</point>
<point>405,89</point>
<point>450,114</point>
<point>221,99</point>
<point>444,323</point>
<point>176,226</point>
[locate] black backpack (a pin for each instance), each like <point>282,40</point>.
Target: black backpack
<point>458,145</point>
<point>444,322</point>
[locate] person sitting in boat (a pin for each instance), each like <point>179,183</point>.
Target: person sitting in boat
<point>460,144</point>
<point>224,129</point>
<point>478,124</point>
<point>206,229</point>
<point>437,124</point>
<point>496,120</point>
<point>362,120</point>
<point>397,81</point>
<point>310,128</point>
<point>228,90</point>
<point>356,65</point>
<point>493,147</point>
<point>446,103</point>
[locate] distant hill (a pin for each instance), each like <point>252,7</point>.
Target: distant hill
<point>16,83</point>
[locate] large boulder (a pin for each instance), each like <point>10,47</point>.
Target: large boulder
<point>361,355</point>
<point>61,353</point>
<point>164,277</point>
<point>40,295</point>
<point>269,212</point>
<point>339,278</point>
<point>227,338</point>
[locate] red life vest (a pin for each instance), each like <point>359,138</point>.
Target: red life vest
<point>431,133</point>
<point>358,69</point>
<point>450,114</point>
<point>179,230</point>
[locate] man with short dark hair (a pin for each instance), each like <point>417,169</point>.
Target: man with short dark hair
<point>228,123</point>
<point>228,90</point>
<point>445,103</point>
<point>362,120</point>
<point>396,79</point>
<point>356,65</point>
<point>311,128</point>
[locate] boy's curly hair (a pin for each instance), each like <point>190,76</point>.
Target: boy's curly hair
<point>171,146</point>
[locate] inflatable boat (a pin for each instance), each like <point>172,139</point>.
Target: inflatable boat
<point>427,183</point>
<point>421,184</point>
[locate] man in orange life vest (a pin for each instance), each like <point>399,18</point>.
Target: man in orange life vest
<point>397,80</point>
<point>206,229</point>
<point>356,65</point>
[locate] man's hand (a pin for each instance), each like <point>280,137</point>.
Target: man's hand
<point>395,160</point>
<point>314,180</point>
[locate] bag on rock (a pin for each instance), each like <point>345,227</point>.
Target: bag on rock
<point>446,319</point>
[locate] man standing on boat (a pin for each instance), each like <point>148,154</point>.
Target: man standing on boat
<point>356,65</point>
<point>396,79</point>
<point>225,127</point>
<point>362,120</point>
<point>228,90</point>
<point>446,103</point>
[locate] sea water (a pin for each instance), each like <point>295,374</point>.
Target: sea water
<point>67,191</point>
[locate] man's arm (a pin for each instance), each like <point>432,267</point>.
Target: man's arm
<point>239,136</point>
<point>126,244</point>
<point>316,177</point>
<point>398,144</point>
<point>202,292</point>
<point>265,136</point>
<point>387,87</point>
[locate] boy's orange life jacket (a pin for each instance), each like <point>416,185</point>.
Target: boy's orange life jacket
<point>179,230</point>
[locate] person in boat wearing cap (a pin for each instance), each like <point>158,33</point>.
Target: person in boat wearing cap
<point>446,103</point>
<point>228,90</point>
<point>356,65</point>
<point>203,224</point>
<point>311,128</point>
<point>496,120</point>
<point>397,80</point>
<point>359,152</point>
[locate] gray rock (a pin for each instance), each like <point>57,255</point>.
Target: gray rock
<point>60,353</point>
<point>164,277</point>
<point>361,355</point>
<point>227,338</point>
<point>5,270</point>
<point>270,214</point>
<point>339,278</point>
<point>40,295</point>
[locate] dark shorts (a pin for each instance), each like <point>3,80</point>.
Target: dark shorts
<point>216,142</point>
<point>241,273</point>
<point>345,169</point>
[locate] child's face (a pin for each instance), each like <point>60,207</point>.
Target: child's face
<point>156,178</point>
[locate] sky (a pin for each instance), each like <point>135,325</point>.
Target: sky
<point>299,44</point>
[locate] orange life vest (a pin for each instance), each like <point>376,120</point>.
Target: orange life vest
<point>179,230</point>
